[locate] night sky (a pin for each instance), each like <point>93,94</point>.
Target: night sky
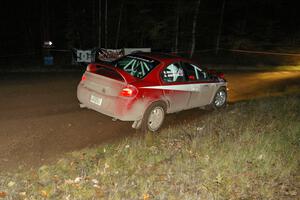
<point>254,24</point>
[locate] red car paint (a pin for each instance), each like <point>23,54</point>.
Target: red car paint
<point>124,96</point>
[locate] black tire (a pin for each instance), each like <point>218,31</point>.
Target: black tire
<point>147,124</point>
<point>220,99</point>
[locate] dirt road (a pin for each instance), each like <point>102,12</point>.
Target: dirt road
<point>40,118</point>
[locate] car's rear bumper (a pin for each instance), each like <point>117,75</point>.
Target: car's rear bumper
<point>121,108</point>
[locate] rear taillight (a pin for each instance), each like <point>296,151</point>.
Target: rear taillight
<point>128,91</point>
<point>83,78</point>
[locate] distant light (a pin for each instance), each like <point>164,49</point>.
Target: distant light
<point>48,44</point>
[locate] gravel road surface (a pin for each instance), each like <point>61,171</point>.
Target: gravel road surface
<point>40,118</point>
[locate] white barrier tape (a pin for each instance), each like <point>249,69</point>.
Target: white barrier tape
<point>29,54</point>
<point>241,51</point>
<point>262,52</point>
<point>197,51</point>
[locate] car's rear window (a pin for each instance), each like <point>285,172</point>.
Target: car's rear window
<point>136,66</point>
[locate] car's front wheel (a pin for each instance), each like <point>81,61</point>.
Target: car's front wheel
<point>154,117</point>
<point>220,99</point>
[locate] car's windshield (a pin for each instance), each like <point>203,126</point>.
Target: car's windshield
<point>137,66</point>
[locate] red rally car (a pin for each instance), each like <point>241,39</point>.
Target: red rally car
<point>144,87</point>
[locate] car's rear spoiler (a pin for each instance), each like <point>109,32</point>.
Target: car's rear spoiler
<point>110,71</point>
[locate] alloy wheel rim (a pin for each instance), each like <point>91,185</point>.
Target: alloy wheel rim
<point>156,118</point>
<point>220,98</point>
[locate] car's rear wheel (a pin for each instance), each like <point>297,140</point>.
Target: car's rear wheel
<point>154,117</point>
<point>220,99</point>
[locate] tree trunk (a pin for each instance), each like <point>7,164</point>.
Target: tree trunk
<point>119,25</point>
<point>194,28</point>
<point>177,27</point>
<point>94,20</point>
<point>106,37</point>
<point>220,27</point>
<point>99,25</point>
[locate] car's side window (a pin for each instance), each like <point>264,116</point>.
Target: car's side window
<point>173,73</point>
<point>194,73</point>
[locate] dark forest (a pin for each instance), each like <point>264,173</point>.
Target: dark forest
<point>162,25</point>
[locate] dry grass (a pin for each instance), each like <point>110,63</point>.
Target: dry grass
<point>251,150</point>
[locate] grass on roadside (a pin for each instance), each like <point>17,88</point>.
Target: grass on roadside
<point>251,150</point>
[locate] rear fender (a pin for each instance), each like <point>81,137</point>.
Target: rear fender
<point>139,107</point>
<point>163,102</point>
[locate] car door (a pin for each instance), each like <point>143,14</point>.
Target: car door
<point>202,87</point>
<point>175,87</point>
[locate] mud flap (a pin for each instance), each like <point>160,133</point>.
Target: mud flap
<point>82,105</point>
<point>137,124</point>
